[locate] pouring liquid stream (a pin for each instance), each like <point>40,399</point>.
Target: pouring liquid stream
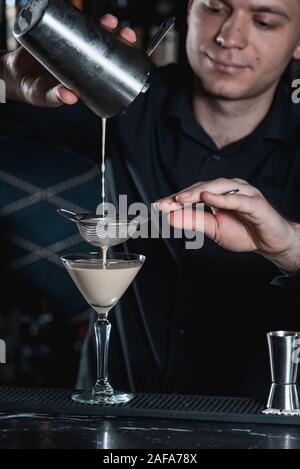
<point>103,164</point>
<point>104,248</point>
<point>161,33</point>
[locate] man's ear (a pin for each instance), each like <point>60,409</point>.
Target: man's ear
<point>296,54</point>
<point>189,5</point>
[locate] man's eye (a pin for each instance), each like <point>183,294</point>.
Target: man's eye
<point>213,9</point>
<point>266,25</point>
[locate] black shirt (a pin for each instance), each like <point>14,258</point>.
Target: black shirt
<point>195,321</point>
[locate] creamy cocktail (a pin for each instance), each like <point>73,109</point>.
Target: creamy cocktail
<point>102,285</point>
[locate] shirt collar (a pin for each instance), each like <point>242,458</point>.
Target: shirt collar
<point>275,125</point>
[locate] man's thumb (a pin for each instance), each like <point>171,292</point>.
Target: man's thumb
<point>59,95</point>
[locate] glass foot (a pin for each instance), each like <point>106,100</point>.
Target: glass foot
<point>88,397</point>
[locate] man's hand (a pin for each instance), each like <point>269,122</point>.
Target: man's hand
<point>28,81</point>
<point>243,222</point>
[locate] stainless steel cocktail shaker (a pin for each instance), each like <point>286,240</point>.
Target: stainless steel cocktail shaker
<point>105,71</point>
<point>284,351</point>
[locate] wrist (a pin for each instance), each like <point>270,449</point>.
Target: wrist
<point>288,260</point>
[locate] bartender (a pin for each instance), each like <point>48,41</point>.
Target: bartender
<point>196,321</point>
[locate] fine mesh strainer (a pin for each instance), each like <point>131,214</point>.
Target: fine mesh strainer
<point>103,231</point>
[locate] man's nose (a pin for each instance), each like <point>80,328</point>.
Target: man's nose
<point>234,32</point>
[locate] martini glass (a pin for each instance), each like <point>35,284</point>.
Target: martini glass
<point>102,284</point>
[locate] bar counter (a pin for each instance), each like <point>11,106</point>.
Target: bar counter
<point>41,418</point>
<point>50,432</point>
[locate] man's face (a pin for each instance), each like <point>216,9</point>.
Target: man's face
<point>259,38</point>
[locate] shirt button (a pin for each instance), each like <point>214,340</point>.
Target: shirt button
<point>216,157</point>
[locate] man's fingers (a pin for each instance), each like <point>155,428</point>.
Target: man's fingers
<point>218,186</point>
<point>109,21</point>
<point>64,95</point>
<point>193,194</point>
<point>195,220</point>
<point>241,203</point>
<point>51,98</point>
<point>57,96</point>
<point>128,34</point>
<point>167,205</point>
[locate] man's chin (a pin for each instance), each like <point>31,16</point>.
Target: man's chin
<point>228,91</point>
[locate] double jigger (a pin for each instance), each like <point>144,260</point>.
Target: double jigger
<point>284,352</point>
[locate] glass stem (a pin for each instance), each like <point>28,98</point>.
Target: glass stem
<point>102,331</point>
